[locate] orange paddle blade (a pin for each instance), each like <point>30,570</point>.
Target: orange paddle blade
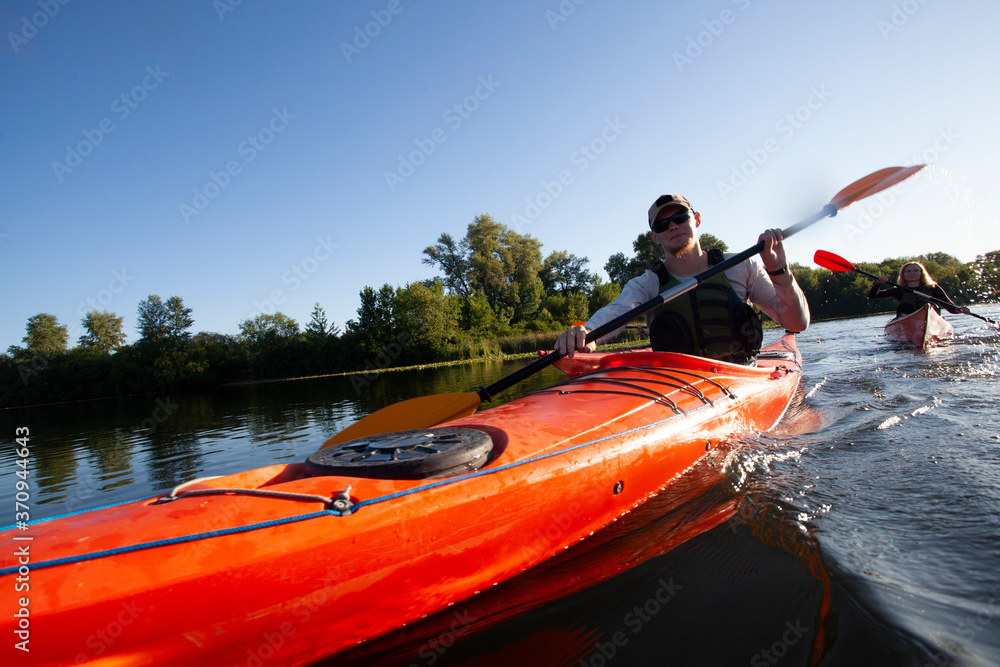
<point>832,262</point>
<point>872,183</point>
<point>420,412</point>
<point>429,411</point>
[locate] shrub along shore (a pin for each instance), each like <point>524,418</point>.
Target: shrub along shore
<point>496,298</point>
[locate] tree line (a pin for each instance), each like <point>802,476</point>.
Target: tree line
<point>835,294</point>
<point>496,294</point>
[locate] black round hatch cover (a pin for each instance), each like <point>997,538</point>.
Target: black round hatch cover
<point>420,454</point>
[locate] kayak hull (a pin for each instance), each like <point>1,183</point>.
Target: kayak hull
<point>922,328</point>
<point>224,579</point>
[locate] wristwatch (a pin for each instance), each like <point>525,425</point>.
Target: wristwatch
<point>778,272</point>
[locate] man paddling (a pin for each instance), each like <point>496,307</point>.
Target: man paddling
<point>713,320</point>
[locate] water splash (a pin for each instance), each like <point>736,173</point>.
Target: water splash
<point>816,388</point>
<point>889,423</point>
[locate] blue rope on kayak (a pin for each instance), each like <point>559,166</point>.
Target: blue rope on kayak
<point>480,473</point>
<point>75,512</point>
<point>313,515</point>
<point>68,560</point>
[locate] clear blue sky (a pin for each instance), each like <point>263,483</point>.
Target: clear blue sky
<point>264,155</point>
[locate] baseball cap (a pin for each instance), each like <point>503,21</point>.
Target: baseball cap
<point>663,201</point>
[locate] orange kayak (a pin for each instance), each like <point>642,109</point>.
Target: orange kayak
<point>921,328</point>
<point>291,563</point>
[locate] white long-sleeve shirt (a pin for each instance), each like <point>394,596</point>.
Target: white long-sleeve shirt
<point>785,304</point>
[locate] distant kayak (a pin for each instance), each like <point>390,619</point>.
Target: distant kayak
<point>295,562</point>
<point>922,328</point>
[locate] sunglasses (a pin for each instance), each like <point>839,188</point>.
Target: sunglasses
<point>678,219</point>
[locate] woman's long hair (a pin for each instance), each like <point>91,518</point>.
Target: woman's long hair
<point>925,278</point>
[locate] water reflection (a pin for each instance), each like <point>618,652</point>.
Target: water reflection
<point>531,612</point>
<point>904,520</point>
<point>93,453</point>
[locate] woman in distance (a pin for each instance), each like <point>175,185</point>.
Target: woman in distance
<point>916,277</point>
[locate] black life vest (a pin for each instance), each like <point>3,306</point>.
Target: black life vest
<point>708,321</point>
<point>910,302</point>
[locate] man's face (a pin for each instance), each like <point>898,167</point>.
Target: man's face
<point>678,237</point>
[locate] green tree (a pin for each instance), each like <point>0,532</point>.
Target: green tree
<point>163,325</point>
<point>104,331</point>
<point>492,258</point>
<point>943,259</point>
<point>272,346</point>
<point>620,269</point>
<point>505,266</point>
<point>646,252</point>
<point>153,321</point>
<point>208,358</point>
<point>318,326</point>
<point>563,273</point>
<point>477,317</point>
<point>986,269</point>
<point>323,342</point>
<point>264,330</point>
<point>426,319</point>
<point>453,259</point>
<point>375,323</point>
<point>45,336</point>
<point>564,310</point>
<point>603,294</point>
<point>709,241</point>
<point>179,320</point>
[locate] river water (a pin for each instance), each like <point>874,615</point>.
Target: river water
<point>864,530</point>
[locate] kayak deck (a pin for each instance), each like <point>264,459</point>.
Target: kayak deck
<point>222,566</point>
<point>922,328</point>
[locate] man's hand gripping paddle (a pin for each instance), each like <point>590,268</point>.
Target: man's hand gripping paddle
<point>426,411</point>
